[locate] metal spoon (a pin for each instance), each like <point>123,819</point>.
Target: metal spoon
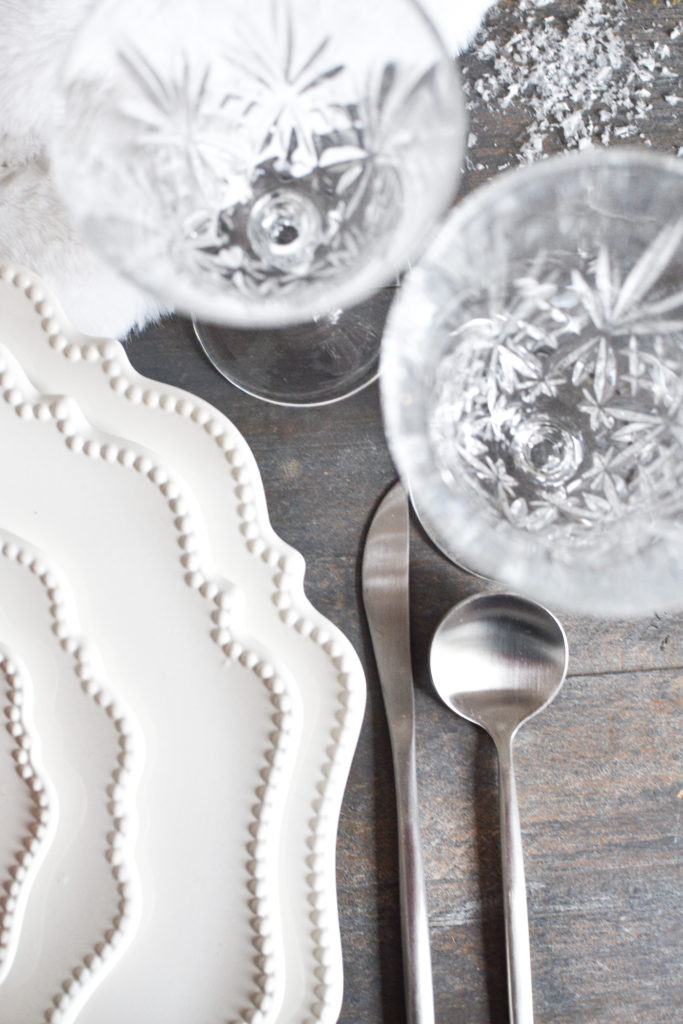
<point>498,659</point>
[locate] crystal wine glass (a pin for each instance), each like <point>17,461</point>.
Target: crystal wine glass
<point>262,166</point>
<point>532,382</point>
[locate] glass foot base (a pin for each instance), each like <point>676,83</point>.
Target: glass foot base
<point>308,364</point>
<point>435,537</point>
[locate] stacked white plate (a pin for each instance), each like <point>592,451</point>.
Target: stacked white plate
<point>179,721</point>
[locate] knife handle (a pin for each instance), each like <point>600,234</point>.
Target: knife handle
<point>417,959</point>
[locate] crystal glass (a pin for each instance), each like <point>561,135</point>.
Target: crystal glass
<point>261,164</point>
<point>532,382</point>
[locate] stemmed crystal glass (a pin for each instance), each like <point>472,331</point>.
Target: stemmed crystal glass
<point>266,168</point>
<point>532,382</point>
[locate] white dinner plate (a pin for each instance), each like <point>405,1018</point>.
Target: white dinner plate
<point>148,504</point>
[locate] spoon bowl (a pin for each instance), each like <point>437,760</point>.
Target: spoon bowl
<point>497,660</point>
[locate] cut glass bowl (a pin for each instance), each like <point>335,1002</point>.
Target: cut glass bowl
<point>261,163</point>
<point>532,382</point>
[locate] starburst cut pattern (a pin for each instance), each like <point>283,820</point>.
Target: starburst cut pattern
<point>277,107</point>
<point>564,410</point>
<point>286,96</point>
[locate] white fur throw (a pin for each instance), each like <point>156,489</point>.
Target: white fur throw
<point>34,228</point>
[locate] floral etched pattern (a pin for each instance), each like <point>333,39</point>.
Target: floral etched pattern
<point>266,151</point>
<point>564,403</point>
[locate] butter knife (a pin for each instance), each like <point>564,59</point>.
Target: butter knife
<point>385,596</point>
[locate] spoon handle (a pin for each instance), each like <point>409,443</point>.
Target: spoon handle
<point>514,893</point>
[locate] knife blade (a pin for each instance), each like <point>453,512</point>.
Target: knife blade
<point>385,584</point>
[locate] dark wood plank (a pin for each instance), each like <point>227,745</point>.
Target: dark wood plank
<point>601,808</point>
<point>598,772</point>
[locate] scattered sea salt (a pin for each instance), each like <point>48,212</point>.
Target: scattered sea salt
<point>578,78</point>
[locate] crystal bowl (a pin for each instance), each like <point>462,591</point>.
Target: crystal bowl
<point>258,164</point>
<point>532,382</point>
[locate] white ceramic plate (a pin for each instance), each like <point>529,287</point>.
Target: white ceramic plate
<point>72,904</point>
<point>199,537</point>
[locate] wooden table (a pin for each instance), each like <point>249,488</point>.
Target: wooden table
<point>599,773</point>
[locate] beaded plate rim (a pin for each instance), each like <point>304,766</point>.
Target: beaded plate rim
<point>321,945</point>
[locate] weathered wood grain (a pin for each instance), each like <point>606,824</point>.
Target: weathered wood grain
<point>599,772</point>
